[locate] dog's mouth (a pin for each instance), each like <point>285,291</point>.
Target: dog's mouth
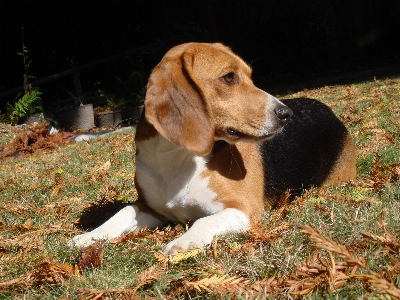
<point>233,132</point>
<point>233,135</point>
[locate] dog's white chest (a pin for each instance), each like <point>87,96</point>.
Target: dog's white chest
<point>172,183</point>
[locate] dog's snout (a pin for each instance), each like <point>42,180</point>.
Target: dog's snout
<point>284,114</point>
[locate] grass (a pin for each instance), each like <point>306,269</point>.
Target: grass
<point>353,254</point>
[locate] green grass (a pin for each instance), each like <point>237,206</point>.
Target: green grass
<point>43,194</point>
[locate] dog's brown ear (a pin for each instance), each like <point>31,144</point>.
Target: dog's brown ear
<point>176,107</point>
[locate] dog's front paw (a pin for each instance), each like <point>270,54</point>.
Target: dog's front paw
<point>83,240</point>
<point>187,242</point>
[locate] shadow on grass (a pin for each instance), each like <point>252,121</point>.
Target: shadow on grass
<point>97,213</point>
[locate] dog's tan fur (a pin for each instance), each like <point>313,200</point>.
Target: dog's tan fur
<point>193,71</point>
<point>345,167</point>
<point>197,154</point>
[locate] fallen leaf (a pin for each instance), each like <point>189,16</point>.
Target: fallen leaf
<point>186,255</point>
<point>92,257</point>
<point>55,191</point>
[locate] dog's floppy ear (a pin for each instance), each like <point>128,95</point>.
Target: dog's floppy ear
<point>176,107</point>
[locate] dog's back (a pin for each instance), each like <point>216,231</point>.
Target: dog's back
<point>314,148</point>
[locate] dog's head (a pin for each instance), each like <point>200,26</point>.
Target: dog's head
<point>200,93</point>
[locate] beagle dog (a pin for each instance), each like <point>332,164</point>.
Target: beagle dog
<point>213,149</point>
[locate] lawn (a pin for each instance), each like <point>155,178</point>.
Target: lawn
<point>335,242</point>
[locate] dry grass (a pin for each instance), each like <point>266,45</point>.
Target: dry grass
<point>330,243</point>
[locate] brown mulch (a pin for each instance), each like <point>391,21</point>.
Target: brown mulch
<point>33,138</point>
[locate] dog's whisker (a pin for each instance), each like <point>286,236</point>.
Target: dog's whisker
<point>230,165</point>
<point>233,156</point>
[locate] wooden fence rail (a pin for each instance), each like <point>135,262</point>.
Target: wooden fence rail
<point>75,71</point>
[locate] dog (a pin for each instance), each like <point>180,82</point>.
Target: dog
<point>213,149</point>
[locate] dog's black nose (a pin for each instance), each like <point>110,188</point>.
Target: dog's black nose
<point>284,114</point>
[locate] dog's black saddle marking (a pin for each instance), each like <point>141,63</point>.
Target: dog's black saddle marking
<point>304,153</point>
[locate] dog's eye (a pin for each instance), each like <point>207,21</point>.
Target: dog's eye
<point>229,78</point>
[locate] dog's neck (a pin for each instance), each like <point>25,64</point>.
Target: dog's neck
<point>144,130</point>
<point>170,176</point>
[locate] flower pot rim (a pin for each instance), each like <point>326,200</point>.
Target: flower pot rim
<point>109,111</point>
<point>74,107</point>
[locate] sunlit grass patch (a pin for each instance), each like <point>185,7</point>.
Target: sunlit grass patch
<point>45,194</point>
